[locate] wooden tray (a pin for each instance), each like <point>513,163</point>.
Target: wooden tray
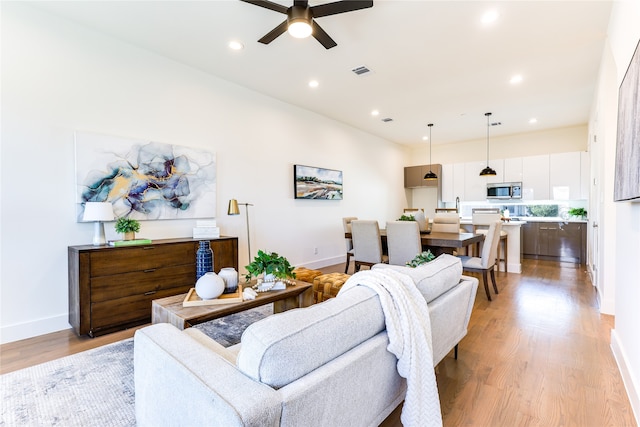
<point>192,299</point>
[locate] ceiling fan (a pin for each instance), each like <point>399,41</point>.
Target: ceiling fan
<point>300,21</point>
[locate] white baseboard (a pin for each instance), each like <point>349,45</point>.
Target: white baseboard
<point>633,390</point>
<point>21,331</point>
<point>325,262</point>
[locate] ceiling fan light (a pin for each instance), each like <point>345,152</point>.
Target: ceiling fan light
<point>487,172</point>
<point>299,28</point>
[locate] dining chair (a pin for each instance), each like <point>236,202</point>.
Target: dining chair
<point>346,225</point>
<point>448,222</point>
<point>480,220</point>
<point>487,261</point>
<point>403,241</point>
<point>367,244</point>
<point>446,210</point>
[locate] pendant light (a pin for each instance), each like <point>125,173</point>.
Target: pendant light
<point>430,176</point>
<point>488,171</point>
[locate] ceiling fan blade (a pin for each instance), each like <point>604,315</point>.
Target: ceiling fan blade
<point>339,7</point>
<point>273,34</point>
<point>322,36</point>
<point>268,5</point>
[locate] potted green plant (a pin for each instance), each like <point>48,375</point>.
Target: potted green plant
<point>273,267</point>
<point>127,226</point>
<point>578,212</point>
<point>404,217</point>
<point>421,258</point>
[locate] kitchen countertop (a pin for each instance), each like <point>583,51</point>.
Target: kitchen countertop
<point>552,219</point>
<point>467,221</point>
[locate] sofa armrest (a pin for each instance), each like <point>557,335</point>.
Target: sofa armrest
<point>179,381</point>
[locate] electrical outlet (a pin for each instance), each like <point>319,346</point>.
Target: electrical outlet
<point>315,251</point>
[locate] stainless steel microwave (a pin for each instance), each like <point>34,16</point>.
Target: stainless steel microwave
<point>504,190</point>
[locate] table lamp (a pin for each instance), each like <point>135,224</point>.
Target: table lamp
<point>98,212</point>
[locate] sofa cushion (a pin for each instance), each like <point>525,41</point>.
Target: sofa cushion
<point>433,278</point>
<point>286,346</point>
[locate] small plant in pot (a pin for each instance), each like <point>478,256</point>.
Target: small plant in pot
<point>127,226</point>
<point>276,271</point>
<point>578,212</point>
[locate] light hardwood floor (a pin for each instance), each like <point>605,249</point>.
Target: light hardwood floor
<point>537,355</point>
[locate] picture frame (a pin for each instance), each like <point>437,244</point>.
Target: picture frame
<point>310,182</point>
<point>627,166</point>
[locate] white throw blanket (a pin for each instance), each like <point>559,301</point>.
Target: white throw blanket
<point>409,331</point>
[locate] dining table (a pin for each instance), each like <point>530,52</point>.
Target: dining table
<point>438,242</point>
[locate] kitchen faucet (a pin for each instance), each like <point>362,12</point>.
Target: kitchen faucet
<point>457,204</point>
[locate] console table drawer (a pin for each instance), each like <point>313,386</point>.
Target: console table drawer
<point>128,310</point>
<point>124,260</point>
<point>142,282</point>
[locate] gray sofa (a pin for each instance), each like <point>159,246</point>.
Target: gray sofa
<point>324,365</point>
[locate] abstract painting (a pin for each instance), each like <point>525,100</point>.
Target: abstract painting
<point>144,180</point>
<point>317,183</point>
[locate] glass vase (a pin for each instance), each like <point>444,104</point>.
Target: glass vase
<point>204,259</point>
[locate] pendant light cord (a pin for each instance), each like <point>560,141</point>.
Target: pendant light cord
<point>430,126</point>
<point>488,115</point>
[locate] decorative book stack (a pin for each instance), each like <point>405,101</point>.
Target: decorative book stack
<point>206,229</point>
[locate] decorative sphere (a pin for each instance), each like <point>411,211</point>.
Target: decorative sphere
<point>210,286</point>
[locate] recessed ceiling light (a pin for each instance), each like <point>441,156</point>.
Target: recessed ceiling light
<point>425,138</point>
<point>313,83</point>
<point>375,112</point>
<point>533,120</point>
<point>490,17</point>
<point>235,45</point>
<point>516,79</point>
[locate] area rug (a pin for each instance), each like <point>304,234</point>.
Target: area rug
<point>95,387</point>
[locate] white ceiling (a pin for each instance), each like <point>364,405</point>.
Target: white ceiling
<point>431,61</point>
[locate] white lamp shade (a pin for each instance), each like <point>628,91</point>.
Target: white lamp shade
<point>98,211</point>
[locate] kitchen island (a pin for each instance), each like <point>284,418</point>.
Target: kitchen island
<point>512,228</point>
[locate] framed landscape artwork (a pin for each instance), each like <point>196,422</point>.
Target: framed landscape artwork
<point>627,171</point>
<point>317,183</point>
<point>144,180</point>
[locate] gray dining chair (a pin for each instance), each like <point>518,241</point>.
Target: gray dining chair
<point>481,221</point>
<point>446,223</point>
<point>403,241</point>
<point>346,225</point>
<point>367,244</point>
<point>486,263</point>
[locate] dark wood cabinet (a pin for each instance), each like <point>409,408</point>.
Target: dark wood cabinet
<point>111,288</point>
<point>414,176</point>
<point>561,241</point>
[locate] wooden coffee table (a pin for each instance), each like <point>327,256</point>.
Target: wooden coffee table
<point>170,309</point>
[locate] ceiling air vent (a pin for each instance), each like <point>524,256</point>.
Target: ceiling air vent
<point>387,119</point>
<point>361,70</point>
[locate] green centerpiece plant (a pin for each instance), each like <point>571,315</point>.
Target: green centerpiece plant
<point>270,263</point>
<point>407,218</point>
<point>128,227</point>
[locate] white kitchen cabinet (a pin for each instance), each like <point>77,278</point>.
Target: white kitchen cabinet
<point>452,182</point>
<point>585,174</point>
<point>513,169</point>
<point>475,186</point>
<point>447,183</point>
<point>564,176</point>
<point>535,177</point>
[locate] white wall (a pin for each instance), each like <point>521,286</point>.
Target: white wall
<point>560,140</point>
<point>58,77</point>
<point>619,256</point>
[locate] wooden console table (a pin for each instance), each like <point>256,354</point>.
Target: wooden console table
<point>111,288</point>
